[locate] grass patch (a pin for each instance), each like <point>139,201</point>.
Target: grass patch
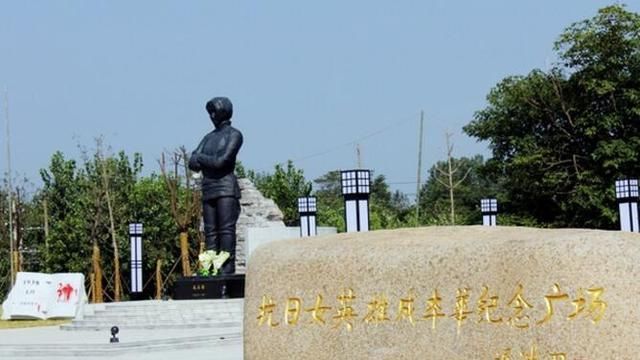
<point>17,324</point>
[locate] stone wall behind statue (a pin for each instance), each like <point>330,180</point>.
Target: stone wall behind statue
<point>256,211</point>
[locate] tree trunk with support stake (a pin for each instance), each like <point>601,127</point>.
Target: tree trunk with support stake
<point>92,287</point>
<point>18,224</point>
<point>16,260</point>
<point>97,273</point>
<point>95,256</point>
<point>117,292</point>
<point>45,210</point>
<point>184,254</point>
<point>158,279</point>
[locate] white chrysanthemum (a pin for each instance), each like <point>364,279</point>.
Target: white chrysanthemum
<point>206,259</point>
<point>212,262</point>
<point>220,259</point>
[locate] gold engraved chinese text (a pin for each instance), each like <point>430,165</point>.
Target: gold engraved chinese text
<point>531,354</point>
<point>292,312</point>
<point>345,311</point>
<point>557,295</point>
<point>486,306</point>
<point>462,306</point>
<point>596,305</point>
<point>595,308</point>
<point>266,312</point>
<point>519,304</point>
<point>317,311</point>
<point>405,308</point>
<point>589,304</point>
<point>434,309</point>
<point>578,304</point>
<point>377,310</point>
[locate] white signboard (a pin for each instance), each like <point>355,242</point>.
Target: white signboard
<point>45,296</point>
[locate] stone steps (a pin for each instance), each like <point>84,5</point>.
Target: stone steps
<point>149,318</point>
<point>171,304</point>
<point>155,314</point>
<point>166,316</point>
<point>83,350</point>
<point>194,315</point>
<point>145,327</point>
<point>106,326</point>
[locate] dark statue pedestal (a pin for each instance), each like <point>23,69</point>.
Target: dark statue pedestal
<point>137,296</point>
<point>209,287</point>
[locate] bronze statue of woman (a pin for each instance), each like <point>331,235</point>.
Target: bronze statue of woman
<point>215,157</point>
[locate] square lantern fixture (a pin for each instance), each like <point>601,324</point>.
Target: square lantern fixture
<point>627,190</point>
<point>307,204</point>
<point>356,187</point>
<point>355,182</point>
<point>307,208</point>
<point>135,237</point>
<point>627,198</point>
<point>489,210</point>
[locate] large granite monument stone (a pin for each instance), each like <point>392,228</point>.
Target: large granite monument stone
<point>446,293</point>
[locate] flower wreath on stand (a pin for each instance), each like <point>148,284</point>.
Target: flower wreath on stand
<point>211,262</point>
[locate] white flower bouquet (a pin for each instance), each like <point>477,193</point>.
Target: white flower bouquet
<point>211,262</point>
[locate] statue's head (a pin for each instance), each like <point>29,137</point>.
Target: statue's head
<point>220,109</point>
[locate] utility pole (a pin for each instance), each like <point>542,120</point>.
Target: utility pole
<point>9,188</point>
<point>419,167</point>
<point>359,155</point>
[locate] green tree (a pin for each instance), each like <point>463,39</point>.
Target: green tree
<point>26,234</point>
<point>435,197</point>
<point>150,205</point>
<point>79,215</point>
<point>284,187</point>
<point>387,209</point>
<point>330,202</point>
<point>65,188</point>
<point>560,138</point>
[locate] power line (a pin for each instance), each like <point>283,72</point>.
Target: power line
<point>356,140</point>
<point>402,183</point>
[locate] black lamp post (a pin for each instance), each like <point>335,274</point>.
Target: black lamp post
<point>135,237</point>
<point>627,198</point>
<point>307,209</point>
<point>356,189</point>
<point>489,209</point>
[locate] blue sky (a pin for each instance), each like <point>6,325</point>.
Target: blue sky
<point>308,80</point>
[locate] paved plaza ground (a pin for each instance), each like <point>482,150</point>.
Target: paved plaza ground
<point>176,330</point>
<point>50,342</point>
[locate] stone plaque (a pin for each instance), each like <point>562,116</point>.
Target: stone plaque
<point>446,293</point>
<point>211,287</point>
